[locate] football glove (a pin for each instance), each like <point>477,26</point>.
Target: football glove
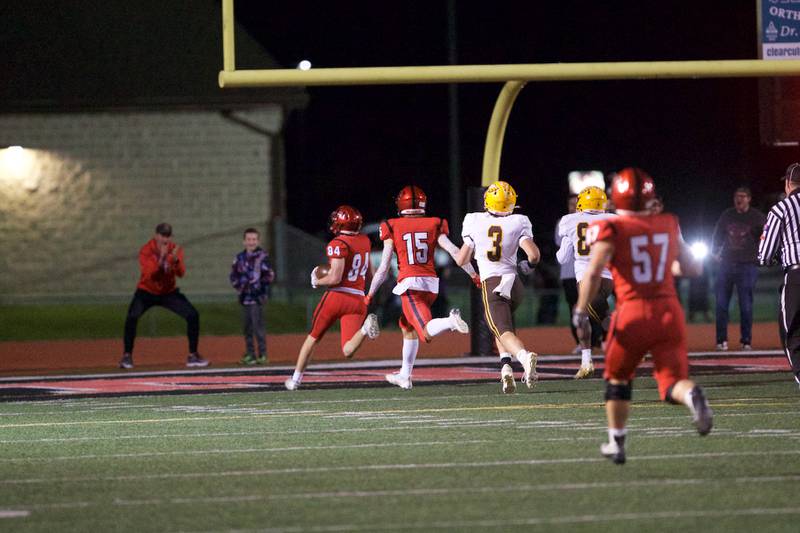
<point>367,300</point>
<point>476,280</point>
<point>525,267</point>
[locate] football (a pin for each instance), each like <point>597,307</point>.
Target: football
<point>321,271</point>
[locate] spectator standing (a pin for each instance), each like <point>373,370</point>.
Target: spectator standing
<point>251,276</point>
<point>734,246</point>
<point>782,235</point>
<point>160,262</point>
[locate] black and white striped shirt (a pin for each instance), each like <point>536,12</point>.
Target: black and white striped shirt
<point>782,232</point>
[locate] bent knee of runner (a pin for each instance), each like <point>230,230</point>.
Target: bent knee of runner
<point>618,390</point>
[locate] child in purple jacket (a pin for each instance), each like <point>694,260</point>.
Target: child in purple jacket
<point>251,275</point>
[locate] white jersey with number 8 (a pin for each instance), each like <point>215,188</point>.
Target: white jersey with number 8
<point>496,241</point>
<point>572,234</point>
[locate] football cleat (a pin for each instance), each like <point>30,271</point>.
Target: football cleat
<point>404,382</point>
<point>371,327</point>
<point>529,376</point>
<point>500,198</point>
<point>702,416</point>
<point>615,451</point>
<point>592,199</point>
<point>507,379</point>
<point>411,200</point>
<point>457,323</point>
<point>585,371</point>
<point>345,218</point>
<point>291,384</point>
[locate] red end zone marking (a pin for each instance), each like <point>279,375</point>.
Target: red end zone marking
<point>422,374</point>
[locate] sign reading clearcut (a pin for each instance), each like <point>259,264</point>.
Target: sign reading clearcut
<point>779,30</point>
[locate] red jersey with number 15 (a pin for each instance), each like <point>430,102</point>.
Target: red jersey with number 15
<point>644,250</point>
<point>354,249</point>
<point>414,243</point>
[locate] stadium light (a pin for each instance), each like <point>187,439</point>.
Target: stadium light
<point>699,250</point>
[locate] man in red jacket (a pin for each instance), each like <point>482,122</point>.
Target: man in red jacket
<point>160,261</point>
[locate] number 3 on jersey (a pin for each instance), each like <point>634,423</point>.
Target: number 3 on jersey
<point>496,251</point>
<point>416,247</point>
<point>359,267</point>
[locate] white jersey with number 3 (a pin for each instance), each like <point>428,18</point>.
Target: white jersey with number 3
<point>572,236</point>
<point>496,240</point>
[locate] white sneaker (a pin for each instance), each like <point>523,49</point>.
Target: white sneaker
<point>529,377</point>
<point>291,384</point>
<point>457,323</point>
<point>371,327</point>
<point>507,379</point>
<point>722,346</point>
<point>615,450</point>
<point>404,382</point>
<point>585,371</point>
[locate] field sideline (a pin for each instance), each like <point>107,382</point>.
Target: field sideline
<point>437,458</point>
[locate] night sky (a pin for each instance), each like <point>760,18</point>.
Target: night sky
<point>359,145</point>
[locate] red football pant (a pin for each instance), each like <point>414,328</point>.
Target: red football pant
<point>416,311</point>
<point>657,326</point>
<point>349,309</point>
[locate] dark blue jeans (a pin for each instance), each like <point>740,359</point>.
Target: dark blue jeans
<point>744,276</point>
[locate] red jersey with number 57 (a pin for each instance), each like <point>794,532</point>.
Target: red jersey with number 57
<point>354,249</point>
<point>644,250</point>
<point>414,242</point>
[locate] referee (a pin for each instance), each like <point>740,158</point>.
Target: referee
<point>782,234</point>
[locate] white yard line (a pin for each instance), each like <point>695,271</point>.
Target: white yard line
<point>440,491</point>
<point>396,466</point>
<point>229,451</point>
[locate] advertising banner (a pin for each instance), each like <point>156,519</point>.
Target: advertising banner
<point>779,29</point>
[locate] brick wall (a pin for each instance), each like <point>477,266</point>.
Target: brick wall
<point>87,191</point>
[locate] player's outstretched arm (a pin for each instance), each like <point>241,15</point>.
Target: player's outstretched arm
<point>466,252</point>
<point>565,251</point>
<point>531,250</point>
<point>446,244</point>
<point>380,275</point>
<point>334,275</point>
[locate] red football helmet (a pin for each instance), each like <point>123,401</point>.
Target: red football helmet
<point>345,218</point>
<point>632,189</point>
<point>411,201</point>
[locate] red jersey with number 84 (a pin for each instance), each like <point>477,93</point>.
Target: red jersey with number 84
<point>644,249</point>
<point>354,249</point>
<point>414,242</point>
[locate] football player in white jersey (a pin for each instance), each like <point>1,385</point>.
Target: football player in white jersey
<point>493,238</point>
<point>591,207</point>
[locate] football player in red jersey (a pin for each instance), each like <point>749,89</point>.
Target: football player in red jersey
<point>413,236</point>
<point>348,253</point>
<point>644,250</point>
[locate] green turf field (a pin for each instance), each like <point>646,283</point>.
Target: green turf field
<point>458,458</point>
